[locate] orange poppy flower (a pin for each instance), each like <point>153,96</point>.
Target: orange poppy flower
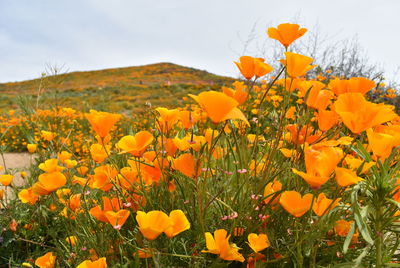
<point>305,86</point>
<point>100,263</point>
<point>297,65</point>
<point>102,122</point>
<point>167,119</point>
<point>150,155</point>
<point>38,189</point>
<point>319,99</point>
<point>320,162</point>
<point>261,68</point>
<point>71,240</point>
<point>153,223</point>
<point>6,179</point>
<point>286,33</point>
<point>396,192</point>
<point>338,86</point>
<point>294,203</point>
<point>323,205</point>
<point>31,147</point>
<point>342,227</point>
<point>47,135</point>
<point>46,261</point>
<point>186,164</point>
<point>71,163</point>
<point>239,94</point>
<point>345,140</point>
<point>327,119</point>
<point>144,253</point>
<point>113,204</point>
<point>188,118</point>
<point>118,218</point>
<point>254,258</point>
<point>258,242</point>
<point>178,223</point>
<point>292,84</point>
<point>50,165</point>
<point>381,144</point>
<point>288,153</point>
<point>63,156</point>
<point>355,84</point>
<point>79,180</point>
<point>219,245</point>
<point>190,141</point>
<point>127,178</point>
<point>103,140</point>
<point>63,193</point>
<point>250,67</point>
<point>218,106</point>
<point>13,225</point>
<point>135,145</point>
<point>169,145</point>
<point>28,196</point>
<point>346,177</point>
<point>354,163</point>
<point>181,144</point>
<point>314,180</point>
<point>148,174</point>
<point>392,130</point>
<point>210,135</point>
<point>98,153</point>
<point>358,114</point>
<point>270,190</point>
<point>52,181</point>
<point>322,159</point>
<point>291,113</point>
<point>74,202</point>
<point>102,177</point>
<point>82,170</point>
<point>171,116</point>
<point>301,134</point>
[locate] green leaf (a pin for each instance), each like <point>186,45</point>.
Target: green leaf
<point>348,238</point>
<point>394,202</point>
<point>360,217</point>
<point>361,151</point>
<point>392,264</point>
<point>357,262</point>
<point>345,265</point>
<point>362,225</point>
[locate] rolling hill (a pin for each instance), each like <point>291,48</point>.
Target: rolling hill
<point>118,89</point>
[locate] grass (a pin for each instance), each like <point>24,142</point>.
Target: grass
<point>128,88</point>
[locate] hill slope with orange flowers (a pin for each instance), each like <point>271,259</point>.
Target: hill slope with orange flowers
<point>118,89</point>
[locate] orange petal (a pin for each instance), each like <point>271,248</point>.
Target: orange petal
<point>294,203</point>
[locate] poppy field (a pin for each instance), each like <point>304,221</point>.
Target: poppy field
<point>286,167</point>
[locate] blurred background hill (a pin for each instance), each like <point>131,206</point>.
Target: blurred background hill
<point>117,89</point>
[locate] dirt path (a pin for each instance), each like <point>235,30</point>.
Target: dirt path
<point>16,162</point>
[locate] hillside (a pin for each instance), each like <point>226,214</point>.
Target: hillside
<point>118,89</point>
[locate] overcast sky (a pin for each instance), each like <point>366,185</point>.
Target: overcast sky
<point>205,34</point>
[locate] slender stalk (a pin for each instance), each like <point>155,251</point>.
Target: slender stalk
<point>379,239</point>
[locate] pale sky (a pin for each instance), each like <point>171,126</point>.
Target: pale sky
<point>206,34</point>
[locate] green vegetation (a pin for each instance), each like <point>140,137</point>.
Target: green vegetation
<point>119,89</point>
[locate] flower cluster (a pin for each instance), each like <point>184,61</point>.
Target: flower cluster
<point>281,167</point>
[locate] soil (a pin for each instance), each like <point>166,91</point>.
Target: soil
<point>15,163</point>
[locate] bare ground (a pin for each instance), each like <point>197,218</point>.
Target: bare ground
<point>15,163</point>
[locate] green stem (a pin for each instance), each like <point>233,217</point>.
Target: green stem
<point>378,240</point>
<point>313,260</point>
<point>299,251</point>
